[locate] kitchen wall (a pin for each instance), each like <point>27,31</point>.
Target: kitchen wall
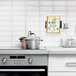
<point>17,17</point>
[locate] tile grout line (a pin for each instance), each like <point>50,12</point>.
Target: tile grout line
<point>39,18</point>
<point>66,17</point>
<point>25,17</point>
<point>11,23</point>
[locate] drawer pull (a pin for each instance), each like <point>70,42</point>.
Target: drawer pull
<point>71,64</point>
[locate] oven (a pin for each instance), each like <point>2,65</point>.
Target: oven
<point>23,65</point>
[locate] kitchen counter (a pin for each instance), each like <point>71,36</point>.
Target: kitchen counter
<point>61,50</point>
<point>19,51</point>
<point>48,50</point>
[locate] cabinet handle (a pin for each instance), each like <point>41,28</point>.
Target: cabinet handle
<point>71,64</point>
<point>22,70</point>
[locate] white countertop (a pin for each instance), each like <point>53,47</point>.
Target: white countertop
<point>61,50</point>
<point>19,51</point>
<point>48,50</point>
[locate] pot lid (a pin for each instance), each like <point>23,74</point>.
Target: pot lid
<point>32,38</point>
<point>28,38</point>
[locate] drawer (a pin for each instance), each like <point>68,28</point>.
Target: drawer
<point>61,74</point>
<point>62,63</point>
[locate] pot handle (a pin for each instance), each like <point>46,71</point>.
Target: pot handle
<point>41,40</point>
<point>24,43</point>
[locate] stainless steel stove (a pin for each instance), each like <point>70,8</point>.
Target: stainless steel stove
<point>23,65</point>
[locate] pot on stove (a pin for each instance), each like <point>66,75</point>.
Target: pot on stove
<point>30,42</point>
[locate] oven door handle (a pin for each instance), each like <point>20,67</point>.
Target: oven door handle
<point>20,70</point>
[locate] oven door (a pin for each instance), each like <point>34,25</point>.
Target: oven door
<point>23,71</point>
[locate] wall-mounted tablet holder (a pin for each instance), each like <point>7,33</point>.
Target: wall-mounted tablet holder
<point>65,26</point>
<point>46,24</point>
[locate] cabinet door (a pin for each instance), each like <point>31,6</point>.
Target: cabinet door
<point>62,74</point>
<point>62,63</point>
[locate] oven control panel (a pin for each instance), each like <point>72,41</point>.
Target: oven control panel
<point>23,60</point>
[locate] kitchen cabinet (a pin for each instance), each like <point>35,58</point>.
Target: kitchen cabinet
<point>62,65</point>
<point>62,74</point>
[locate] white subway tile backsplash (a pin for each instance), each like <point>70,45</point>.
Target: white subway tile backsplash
<point>71,13</point>
<point>45,8</point>
<point>42,24</point>
<point>16,45</point>
<point>5,39</point>
<point>36,32</point>
<point>16,39</point>
<point>32,19</point>
<point>63,34</point>
<point>18,2</point>
<point>60,3</point>
<point>72,24</point>
<point>5,23</point>
<point>71,8</point>
<point>73,19</point>
<point>18,29</point>
<point>18,23</point>
<point>60,13</point>
<point>5,44</point>
<point>42,29</point>
<point>71,34</point>
<point>32,24</point>
<point>5,29</point>
<point>45,13</point>
<point>5,8</point>
<point>32,13</point>
<point>51,38</point>
<point>42,34</point>
<point>43,19</point>
<point>32,8</point>
<point>18,8</point>
<point>54,35</point>
<point>17,17</point>
<point>33,3</point>
<point>71,2</point>
<point>5,13</point>
<point>63,18</point>
<point>60,8</point>
<point>33,29</point>
<point>18,34</point>
<point>18,13</point>
<point>5,2</point>
<point>52,44</point>
<point>5,18</point>
<point>5,34</point>
<point>71,29</point>
<point>45,3</point>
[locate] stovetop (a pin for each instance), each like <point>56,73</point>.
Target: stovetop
<point>19,51</point>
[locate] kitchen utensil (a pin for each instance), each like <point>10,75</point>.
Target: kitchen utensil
<point>60,24</point>
<point>65,26</point>
<point>29,42</point>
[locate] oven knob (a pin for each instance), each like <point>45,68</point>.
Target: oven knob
<point>30,60</point>
<point>4,60</point>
